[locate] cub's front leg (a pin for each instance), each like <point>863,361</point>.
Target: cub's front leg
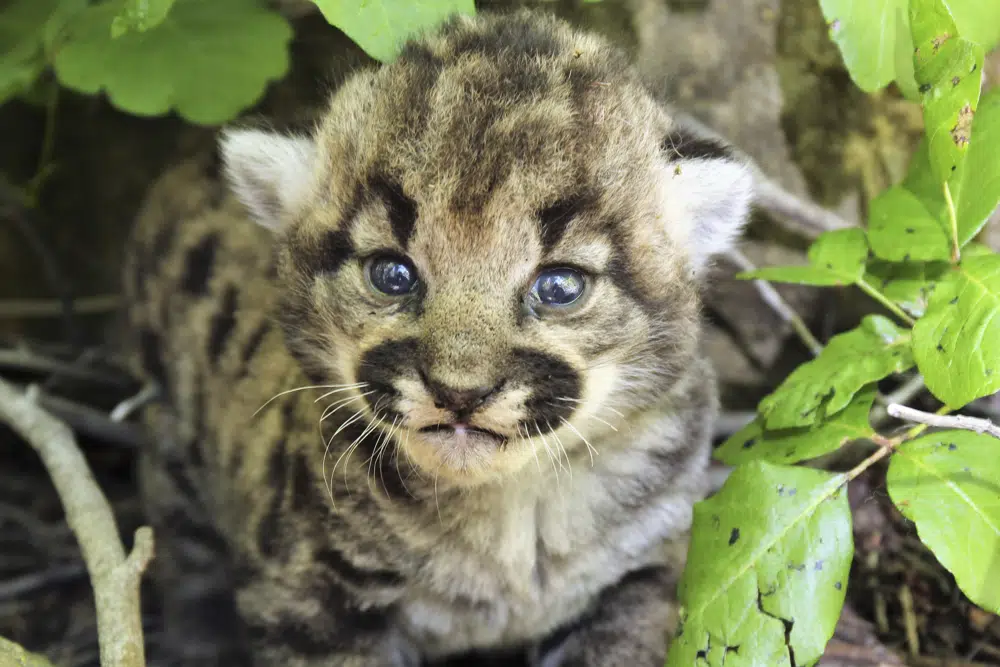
<point>628,626</point>
<point>320,624</point>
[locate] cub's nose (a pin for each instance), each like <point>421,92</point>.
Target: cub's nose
<point>460,401</point>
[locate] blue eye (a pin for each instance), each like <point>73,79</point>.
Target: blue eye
<point>392,275</point>
<point>558,287</point>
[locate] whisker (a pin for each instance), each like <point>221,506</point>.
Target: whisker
<point>590,448</point>
<point>562,448</point>
<point>359,385</point>
<point>290,391</point>
<point>548,450</point>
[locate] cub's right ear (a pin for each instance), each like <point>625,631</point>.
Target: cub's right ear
<point>270,173</point>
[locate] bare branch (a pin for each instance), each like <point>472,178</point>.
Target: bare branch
<point>800,215</point>
<point>32,308</point>
<point>31,583</point>
<point>114,576</point>
<point>944,421</point>
<point>776,303</point>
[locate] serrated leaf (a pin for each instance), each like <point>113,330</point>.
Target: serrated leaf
<point>380,27</point>
<point>826,385</point>
<point>835,258</point>
<point>948,69</point>
<point>140,15</point>
<point>207,60</point>
<point>22,31</point>
<point>957,342</point>
<point>907,285</point>
<point>769,553</point>
<point>754,442</point>
<point>909,222</point>
<point>948,484</point>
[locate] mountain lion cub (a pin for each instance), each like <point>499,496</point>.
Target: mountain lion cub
<point>446,397</point>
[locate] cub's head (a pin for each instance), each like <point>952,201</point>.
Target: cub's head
<point>494,241</point>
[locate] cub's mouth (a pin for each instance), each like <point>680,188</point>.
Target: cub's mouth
<point>463,431</point>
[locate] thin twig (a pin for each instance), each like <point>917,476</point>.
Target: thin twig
<point>776,303</point>
<point>944,421</point>
<point>796,214</point>
<point>905,393</point>
<point>809,218</point>
<point>26,361</point>
<point>20,309</point>
<point>36,581</point>
<point>730,422</point>
<point>91,422</point>
<point>14,207</point>
<point>114,576</point>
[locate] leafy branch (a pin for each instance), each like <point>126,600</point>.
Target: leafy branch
<point>771,551</point>
<point>207,61</point>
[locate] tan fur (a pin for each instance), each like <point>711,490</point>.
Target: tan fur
<point>350,534</point>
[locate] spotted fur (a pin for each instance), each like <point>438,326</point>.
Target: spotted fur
<point>474,471</point>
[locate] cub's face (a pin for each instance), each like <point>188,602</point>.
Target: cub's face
<point>493,244</point>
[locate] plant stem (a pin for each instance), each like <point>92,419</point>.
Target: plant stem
<point>956,253</point>
<point>926,419</point>
<point>773,299</point>
<point>868,289</point>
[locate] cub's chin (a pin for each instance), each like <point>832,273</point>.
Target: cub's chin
<point>464,455</point>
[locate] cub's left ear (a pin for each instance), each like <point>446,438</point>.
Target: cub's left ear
<point>705,193</point>
<point>270,173</point>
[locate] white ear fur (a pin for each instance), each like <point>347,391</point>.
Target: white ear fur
<point>270,173</point>
<point>705,202</point>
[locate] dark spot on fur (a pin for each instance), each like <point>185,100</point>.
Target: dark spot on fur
<point>554,219</point>
<point>151,352</point>
<point>401,209</point>
<point>381,365</point>
<point>252,343</point>
<point>682,145</point>
<point>222,325</point>
<point>198,264</point>
<point>360,577</point>
<point>327,254</point>
<point>516,35</point>
<point>270,537</point>
<point>551,380</point>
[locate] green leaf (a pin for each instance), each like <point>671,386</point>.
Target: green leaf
<point>948,484</point>
<point>22,38</point>
<point>957,342</point>
<point>820,388</point>
<point>13,655</point>
<point>903,57</point>
<point>206,60</point>
<point>975,185</point>
<point>948,69</point>
<point>140,15</point>
<point>977,20</point>
<point>866,34</point>
<point>835,258</point>
<point>381,26</point>
<point>756,443</point>
<point>909,222</point>
<point>769,554</point>
<point>908,285</point>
